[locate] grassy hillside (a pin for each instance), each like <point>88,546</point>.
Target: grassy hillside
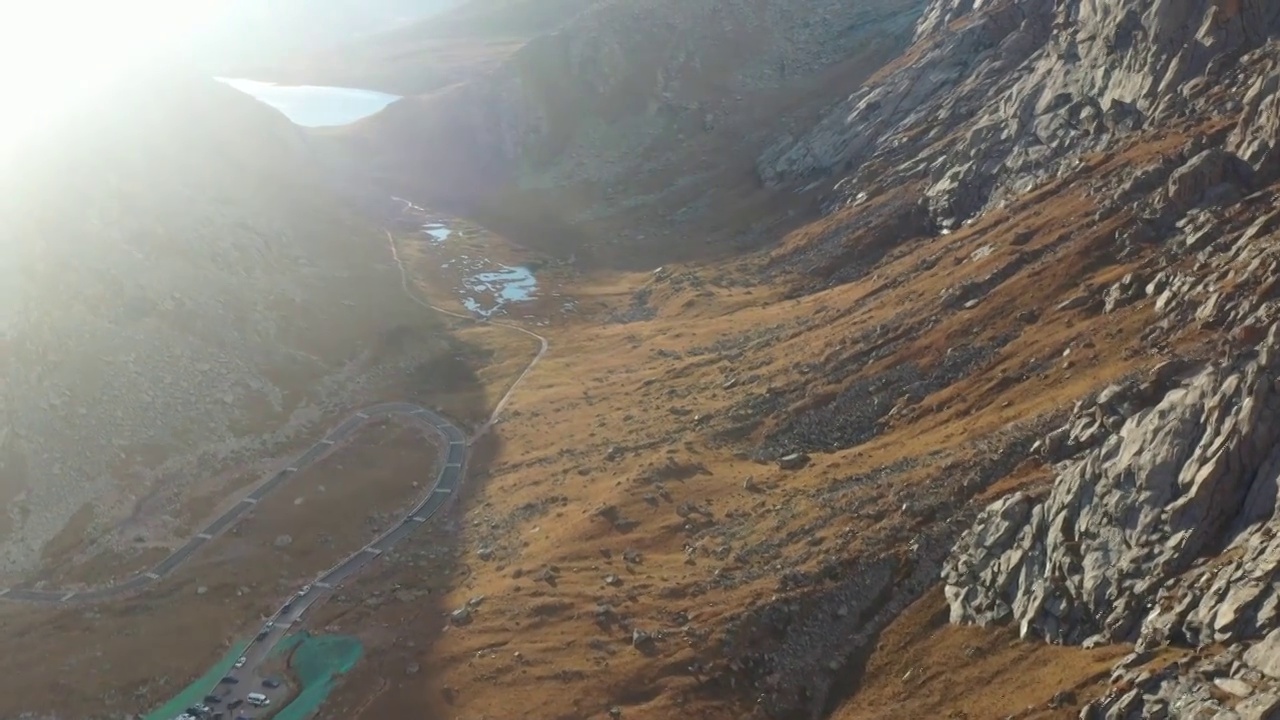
<point>181,292</point>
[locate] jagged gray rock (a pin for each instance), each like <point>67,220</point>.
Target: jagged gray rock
<point>1265,655</point>
<point>1029,87</point>
<point>1212,173</point>
<point>1218,687</point>
<point>1111,551</point>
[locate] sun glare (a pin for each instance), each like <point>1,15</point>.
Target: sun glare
<point>56,54</point>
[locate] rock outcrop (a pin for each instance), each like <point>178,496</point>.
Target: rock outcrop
<point>1111,553</point>
<point>1023,89</point>
<point>1164,532</point>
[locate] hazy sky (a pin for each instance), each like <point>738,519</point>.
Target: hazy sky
<point>57,56</point>
<point>55,52</point>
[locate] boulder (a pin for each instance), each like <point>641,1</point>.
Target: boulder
<point>1263,706</point>
<point>794,461</point>
<point>1236,687</point>
<point>1189,184</point>
<point>1265,655</point>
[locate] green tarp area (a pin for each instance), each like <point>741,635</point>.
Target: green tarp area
<point>196,691</point>
<point>317,662</point>
<point>287,645</point>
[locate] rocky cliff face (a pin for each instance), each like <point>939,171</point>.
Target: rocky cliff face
<point>1164,532</point>
<point>1020,91</point>
<point>178,293</point>
<point>1160,526</point>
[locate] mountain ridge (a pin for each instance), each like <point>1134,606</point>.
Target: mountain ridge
<point>175,282</point>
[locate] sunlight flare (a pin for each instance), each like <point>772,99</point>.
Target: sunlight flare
<point>56,55</point>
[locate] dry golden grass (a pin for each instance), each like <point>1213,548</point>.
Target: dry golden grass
<point>536,649</point>
<point>924,667</point>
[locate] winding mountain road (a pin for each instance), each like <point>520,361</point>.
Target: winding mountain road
<point>447,483</point>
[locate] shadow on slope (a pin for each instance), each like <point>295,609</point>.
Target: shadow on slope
<point>394,680</point>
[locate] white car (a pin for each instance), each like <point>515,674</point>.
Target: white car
<point>240,663</point>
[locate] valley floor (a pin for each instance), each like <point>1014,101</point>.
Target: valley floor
<point>628,531</point>
<point>631,542</point>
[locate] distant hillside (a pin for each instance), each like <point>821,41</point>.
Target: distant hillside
<point>178,289</point>
<point>496,18</point>
<point>459,43</point>
<point>600,117</point>
<point>251,32</point>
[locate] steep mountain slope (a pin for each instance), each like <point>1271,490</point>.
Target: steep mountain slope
<point>180,293</point>
<point>1031,85</point>
<point>1157,527</point>
<point>1018,305</point>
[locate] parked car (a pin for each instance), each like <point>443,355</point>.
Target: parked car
<point>271,683</point>
<point>212,699</point>
<point>228,680</point>
<point>258,699</point>
<point>240,662</point>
